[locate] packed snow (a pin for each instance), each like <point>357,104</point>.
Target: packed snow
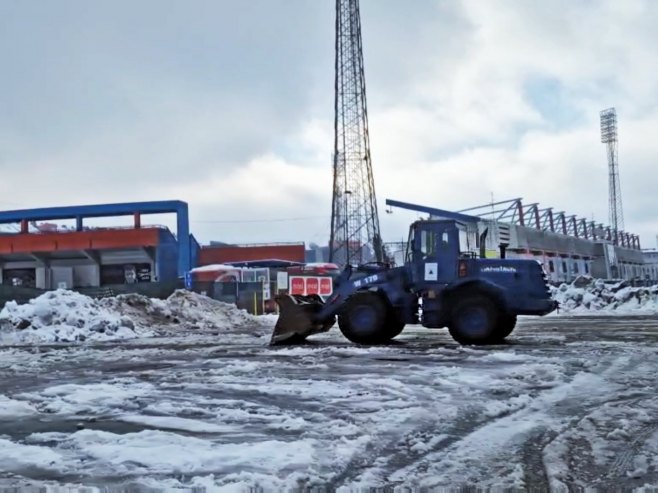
<point>68,316</point>
<point>567,403</point>
<point>11,408</point>
<point>571,410</point>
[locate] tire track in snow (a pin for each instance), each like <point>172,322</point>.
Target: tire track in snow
<point>624,461</point>
<point>395,441</point>
<point>537,420</point>
<point>580,447</point>
<point>470,422</point>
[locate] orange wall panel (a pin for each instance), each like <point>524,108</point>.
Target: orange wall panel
<point>79,240</point>
<point>221,254</point>
<point>5,246</point>
<point>127,238</point>
<point>34,243</point>
<point>73,242</point>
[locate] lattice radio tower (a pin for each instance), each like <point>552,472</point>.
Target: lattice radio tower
<point>609,137</point>
<point>355,236</point>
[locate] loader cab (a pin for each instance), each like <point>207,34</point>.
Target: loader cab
<point>432,252</point>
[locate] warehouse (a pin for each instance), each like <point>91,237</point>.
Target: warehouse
<point>49,256</point>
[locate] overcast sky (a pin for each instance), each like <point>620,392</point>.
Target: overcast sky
<point>229,106</point>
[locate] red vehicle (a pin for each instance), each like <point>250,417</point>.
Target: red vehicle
<point>314,269</point>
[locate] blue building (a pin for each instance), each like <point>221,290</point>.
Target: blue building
<point>47,256</point>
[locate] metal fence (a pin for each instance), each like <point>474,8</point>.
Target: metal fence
<point>159,290</point>
<point>248,296</point>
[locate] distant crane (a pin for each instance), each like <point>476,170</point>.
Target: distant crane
<point>355,236</point>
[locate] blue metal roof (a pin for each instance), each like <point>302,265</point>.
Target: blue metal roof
<point>99,210</point>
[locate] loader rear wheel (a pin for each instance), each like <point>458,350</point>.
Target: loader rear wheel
<point>363,319</point>
<point>474,320</point>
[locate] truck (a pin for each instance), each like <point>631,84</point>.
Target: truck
<point>444,281</point>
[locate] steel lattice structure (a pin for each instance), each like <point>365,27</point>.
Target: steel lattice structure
<point>514,211</point>
<point>609,137</point>
<point>355,236</point>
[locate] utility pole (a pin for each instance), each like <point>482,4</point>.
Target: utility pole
<point>355,236</point>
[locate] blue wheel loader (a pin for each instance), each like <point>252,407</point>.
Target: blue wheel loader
<point>441,284</point>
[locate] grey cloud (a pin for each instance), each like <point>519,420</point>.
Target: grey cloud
<point>157,89</point>
<point>105,101</point>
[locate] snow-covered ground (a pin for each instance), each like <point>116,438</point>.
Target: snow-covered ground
<point>186,395</point>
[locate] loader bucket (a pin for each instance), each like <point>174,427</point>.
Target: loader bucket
<point>297,319</point>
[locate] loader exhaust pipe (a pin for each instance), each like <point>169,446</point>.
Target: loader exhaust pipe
<point>297,319</point>
<point>483,243</point>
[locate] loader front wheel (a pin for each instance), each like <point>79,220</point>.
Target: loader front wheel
<point>506,324</point>
<point>393,325</point>
<point>474,320</point>
<point>363,319</point>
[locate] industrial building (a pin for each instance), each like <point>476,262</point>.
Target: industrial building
<point>650,264</point>
<point>53,257</point>
<point>47,256</point>
<point>566,245</point>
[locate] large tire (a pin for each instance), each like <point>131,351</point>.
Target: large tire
<point>363,319</point>
<point>474,320</point>
<point>393,326</point>
<point>506,324</point>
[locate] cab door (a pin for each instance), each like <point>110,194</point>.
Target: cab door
<point>436,248</point>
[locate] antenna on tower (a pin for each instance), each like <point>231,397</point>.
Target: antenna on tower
<point>609,137</point>
<point>355,236</point>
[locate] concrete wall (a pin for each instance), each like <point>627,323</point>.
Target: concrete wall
<point>650,267</point>
<point>86,276</point>
<point>76,272</point>
<point>42,277</point>
<point>61,277</point>
<point>564,257</point>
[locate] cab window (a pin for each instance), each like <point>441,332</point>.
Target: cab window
<point>445,241</point>
<point>464,246</point>
<point>427,243</point>
<point>410,244</point>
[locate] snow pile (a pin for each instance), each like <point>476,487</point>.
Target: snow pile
<point>63,316</point>
<point>588,295</point>
<point>67,316</point>
<point>183,308</point>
